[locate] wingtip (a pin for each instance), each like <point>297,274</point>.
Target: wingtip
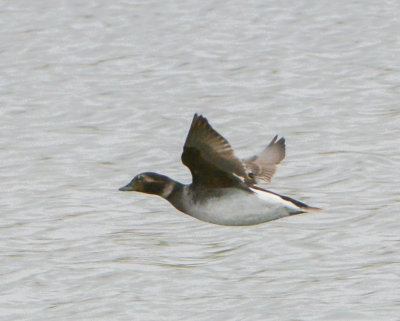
<point>196,119</point>
<point>198,116</point>
<point>275,141</point>
<point>200,121</point>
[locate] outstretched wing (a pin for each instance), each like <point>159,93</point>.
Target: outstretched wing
<point>210,157</point>
<point>263,166</point>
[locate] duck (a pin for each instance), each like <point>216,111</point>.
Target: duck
<point>223,189</point>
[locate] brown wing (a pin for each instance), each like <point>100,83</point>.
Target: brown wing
<point>210,157</point>
<point>263,166</point>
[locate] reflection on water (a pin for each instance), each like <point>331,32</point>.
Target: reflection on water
<point>93,94</point>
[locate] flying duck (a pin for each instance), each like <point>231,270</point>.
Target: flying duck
<point>223,189</point>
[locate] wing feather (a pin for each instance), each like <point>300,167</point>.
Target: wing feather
<point>263,166</point>
<point>210,157</point>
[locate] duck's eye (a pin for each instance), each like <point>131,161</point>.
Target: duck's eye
<point>140,178</point>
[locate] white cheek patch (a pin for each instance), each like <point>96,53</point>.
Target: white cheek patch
<point>149,179</point>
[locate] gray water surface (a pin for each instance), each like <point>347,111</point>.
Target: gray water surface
<point>93,92</point>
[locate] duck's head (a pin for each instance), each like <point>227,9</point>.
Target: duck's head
<point>150,183</point>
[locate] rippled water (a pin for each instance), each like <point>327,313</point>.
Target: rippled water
<point>93,92</point>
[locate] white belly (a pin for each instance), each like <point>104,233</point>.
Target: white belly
<point>238,207</point>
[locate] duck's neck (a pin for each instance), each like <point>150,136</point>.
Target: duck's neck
<point>172,190</point>
<point>176,195</point>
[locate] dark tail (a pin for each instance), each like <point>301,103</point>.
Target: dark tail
<point>300,204</point>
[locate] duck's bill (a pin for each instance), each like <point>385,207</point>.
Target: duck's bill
<point>127,188</point>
